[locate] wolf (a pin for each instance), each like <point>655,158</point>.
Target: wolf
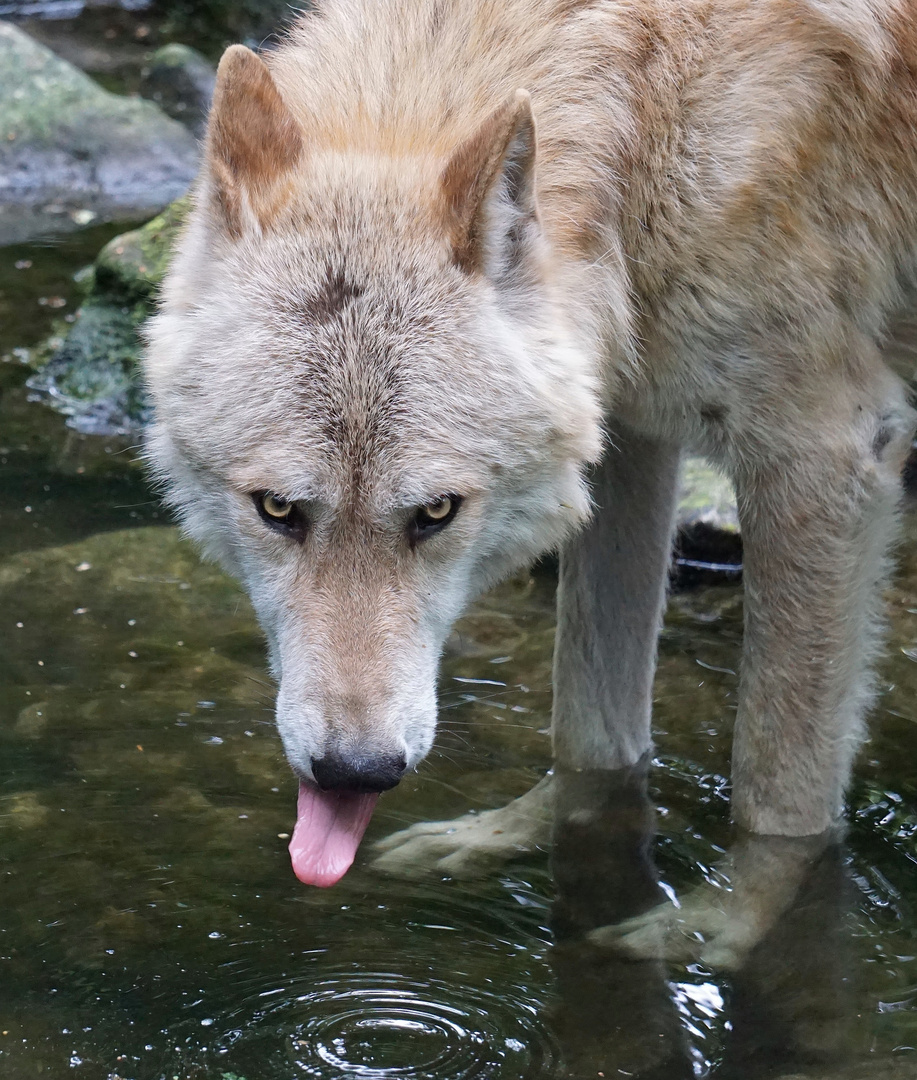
<point>463,279</point>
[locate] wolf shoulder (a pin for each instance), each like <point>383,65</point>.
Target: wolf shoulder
<point>770,199</point>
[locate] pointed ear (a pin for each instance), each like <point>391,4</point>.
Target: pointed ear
<point>489,186</point>
<point>253,143</point>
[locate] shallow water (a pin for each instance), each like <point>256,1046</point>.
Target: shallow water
<point>150,925</point>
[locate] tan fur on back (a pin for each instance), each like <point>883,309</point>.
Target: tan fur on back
<point>660,125</point>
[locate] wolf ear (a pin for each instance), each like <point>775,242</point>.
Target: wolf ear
<point>489,185</point>
<point>253,143</point>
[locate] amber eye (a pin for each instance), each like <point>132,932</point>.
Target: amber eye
<point>433,516</point>
<point>438,510</point>
<point>276,506</point>
<point>282,514</point>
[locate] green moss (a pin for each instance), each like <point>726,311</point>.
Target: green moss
<point>88,370</point>
<point>45,100</point>
<point>131,267</point>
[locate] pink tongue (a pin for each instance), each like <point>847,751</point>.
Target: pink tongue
<point>329,828</point>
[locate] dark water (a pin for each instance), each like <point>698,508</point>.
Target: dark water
<point>151,928</point>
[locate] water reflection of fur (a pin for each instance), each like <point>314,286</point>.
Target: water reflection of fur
<point>617,1017</point>
<point>718,925</point>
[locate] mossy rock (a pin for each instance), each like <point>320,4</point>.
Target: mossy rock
<point>707,498</point>
<point>69,148</point>
<point>89,370</point>
<point>130,268</point>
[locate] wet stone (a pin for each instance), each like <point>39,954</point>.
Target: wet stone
<point>32,720</point>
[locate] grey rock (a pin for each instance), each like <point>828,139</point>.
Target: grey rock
<point>70,151</point>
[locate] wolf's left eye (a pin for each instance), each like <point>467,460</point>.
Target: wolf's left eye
<point>280,513</point>
<point>433,516</point>
<point>276,506</point>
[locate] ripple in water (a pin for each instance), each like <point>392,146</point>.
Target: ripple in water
<point>383,1027</point>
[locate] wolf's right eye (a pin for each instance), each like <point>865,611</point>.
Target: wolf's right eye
<point>279,513</point>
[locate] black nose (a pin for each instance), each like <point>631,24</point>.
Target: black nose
<point>352,772</point>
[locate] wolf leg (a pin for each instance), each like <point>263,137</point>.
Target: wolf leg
<point>818,512</point>
<point>817,505</point>
<point>610,602</point>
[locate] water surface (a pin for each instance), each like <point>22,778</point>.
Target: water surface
<point>151,927</point>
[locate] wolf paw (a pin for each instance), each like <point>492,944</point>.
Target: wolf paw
<point>467,846</point>
<point>703,928</point>
<point>720,925</point>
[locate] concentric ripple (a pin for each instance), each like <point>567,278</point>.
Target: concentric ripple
<point>384,1026</point>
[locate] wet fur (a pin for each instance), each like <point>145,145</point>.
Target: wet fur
<point>403,278</point>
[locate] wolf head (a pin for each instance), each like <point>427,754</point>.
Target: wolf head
<point>367,405</point>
